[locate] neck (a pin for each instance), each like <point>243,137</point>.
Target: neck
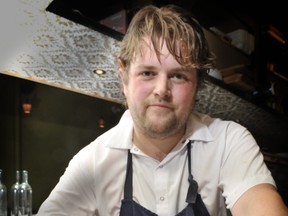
<point>155,147</point>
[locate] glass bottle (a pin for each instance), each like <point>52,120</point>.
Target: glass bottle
<point>3,197</point>
<point>25,196</point>
<point>14,196</point>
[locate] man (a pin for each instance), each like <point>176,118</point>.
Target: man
<point>163,158</point>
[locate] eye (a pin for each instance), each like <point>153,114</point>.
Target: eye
<point>147,73</point>
<point>179,77</point>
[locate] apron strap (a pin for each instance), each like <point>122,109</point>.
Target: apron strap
<point>128,180</point>
<point>193,185</point>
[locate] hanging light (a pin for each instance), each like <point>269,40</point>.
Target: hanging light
<point>27,94</point>
<point>101,123</point>
<point>27,107</point>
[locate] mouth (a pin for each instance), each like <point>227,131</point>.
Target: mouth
<point>160,106</point>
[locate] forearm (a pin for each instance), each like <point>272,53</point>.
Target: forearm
<point>261,200</point>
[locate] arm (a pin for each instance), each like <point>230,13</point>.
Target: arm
<point>260,200</point>
<point>73,194</point>
<point>248,185</point>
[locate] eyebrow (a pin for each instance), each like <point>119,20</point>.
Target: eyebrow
<point>173,70</point>
<point>141,66</point>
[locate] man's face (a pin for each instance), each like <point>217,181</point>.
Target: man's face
<point>160,94</point>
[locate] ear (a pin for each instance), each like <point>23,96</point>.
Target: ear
<point>123,80</point>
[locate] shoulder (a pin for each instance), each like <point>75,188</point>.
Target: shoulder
<point>112,142</point>
<point>216,127</point>
<point>213,122</point>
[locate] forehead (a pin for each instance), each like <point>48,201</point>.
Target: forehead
<point>160,47</point>
<point>159,51</point>
<point>147,53</point>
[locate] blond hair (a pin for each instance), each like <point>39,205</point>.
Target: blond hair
<point>176,27</point>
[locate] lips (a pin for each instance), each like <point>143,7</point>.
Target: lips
<point>164,106</point>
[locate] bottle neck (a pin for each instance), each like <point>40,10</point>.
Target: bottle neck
<point>25,176</point>
<point>17,177</point>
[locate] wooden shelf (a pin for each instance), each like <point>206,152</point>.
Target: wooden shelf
<point>226,54</point>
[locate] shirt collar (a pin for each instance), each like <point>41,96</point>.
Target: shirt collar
<point>198,128</point>
<point>121,135</point>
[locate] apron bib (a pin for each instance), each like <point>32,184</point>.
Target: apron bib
<point>195,206</point>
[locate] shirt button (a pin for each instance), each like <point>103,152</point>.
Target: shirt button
<point>161,166</point>
<point>162,198</point>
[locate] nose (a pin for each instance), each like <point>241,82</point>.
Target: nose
<point>163,87</point>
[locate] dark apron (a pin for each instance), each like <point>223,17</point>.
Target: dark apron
<point>195,206</point>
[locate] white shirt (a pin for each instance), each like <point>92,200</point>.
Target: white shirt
<point>226,161</point>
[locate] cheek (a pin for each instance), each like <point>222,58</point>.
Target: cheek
<point>140,89</point>
<point>185,95</point>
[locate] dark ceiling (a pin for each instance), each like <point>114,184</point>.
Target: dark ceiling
<point>208,12</point>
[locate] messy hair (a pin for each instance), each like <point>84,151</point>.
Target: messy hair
<point>176,27</point>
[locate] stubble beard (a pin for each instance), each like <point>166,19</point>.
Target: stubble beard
<point>160,126</point>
